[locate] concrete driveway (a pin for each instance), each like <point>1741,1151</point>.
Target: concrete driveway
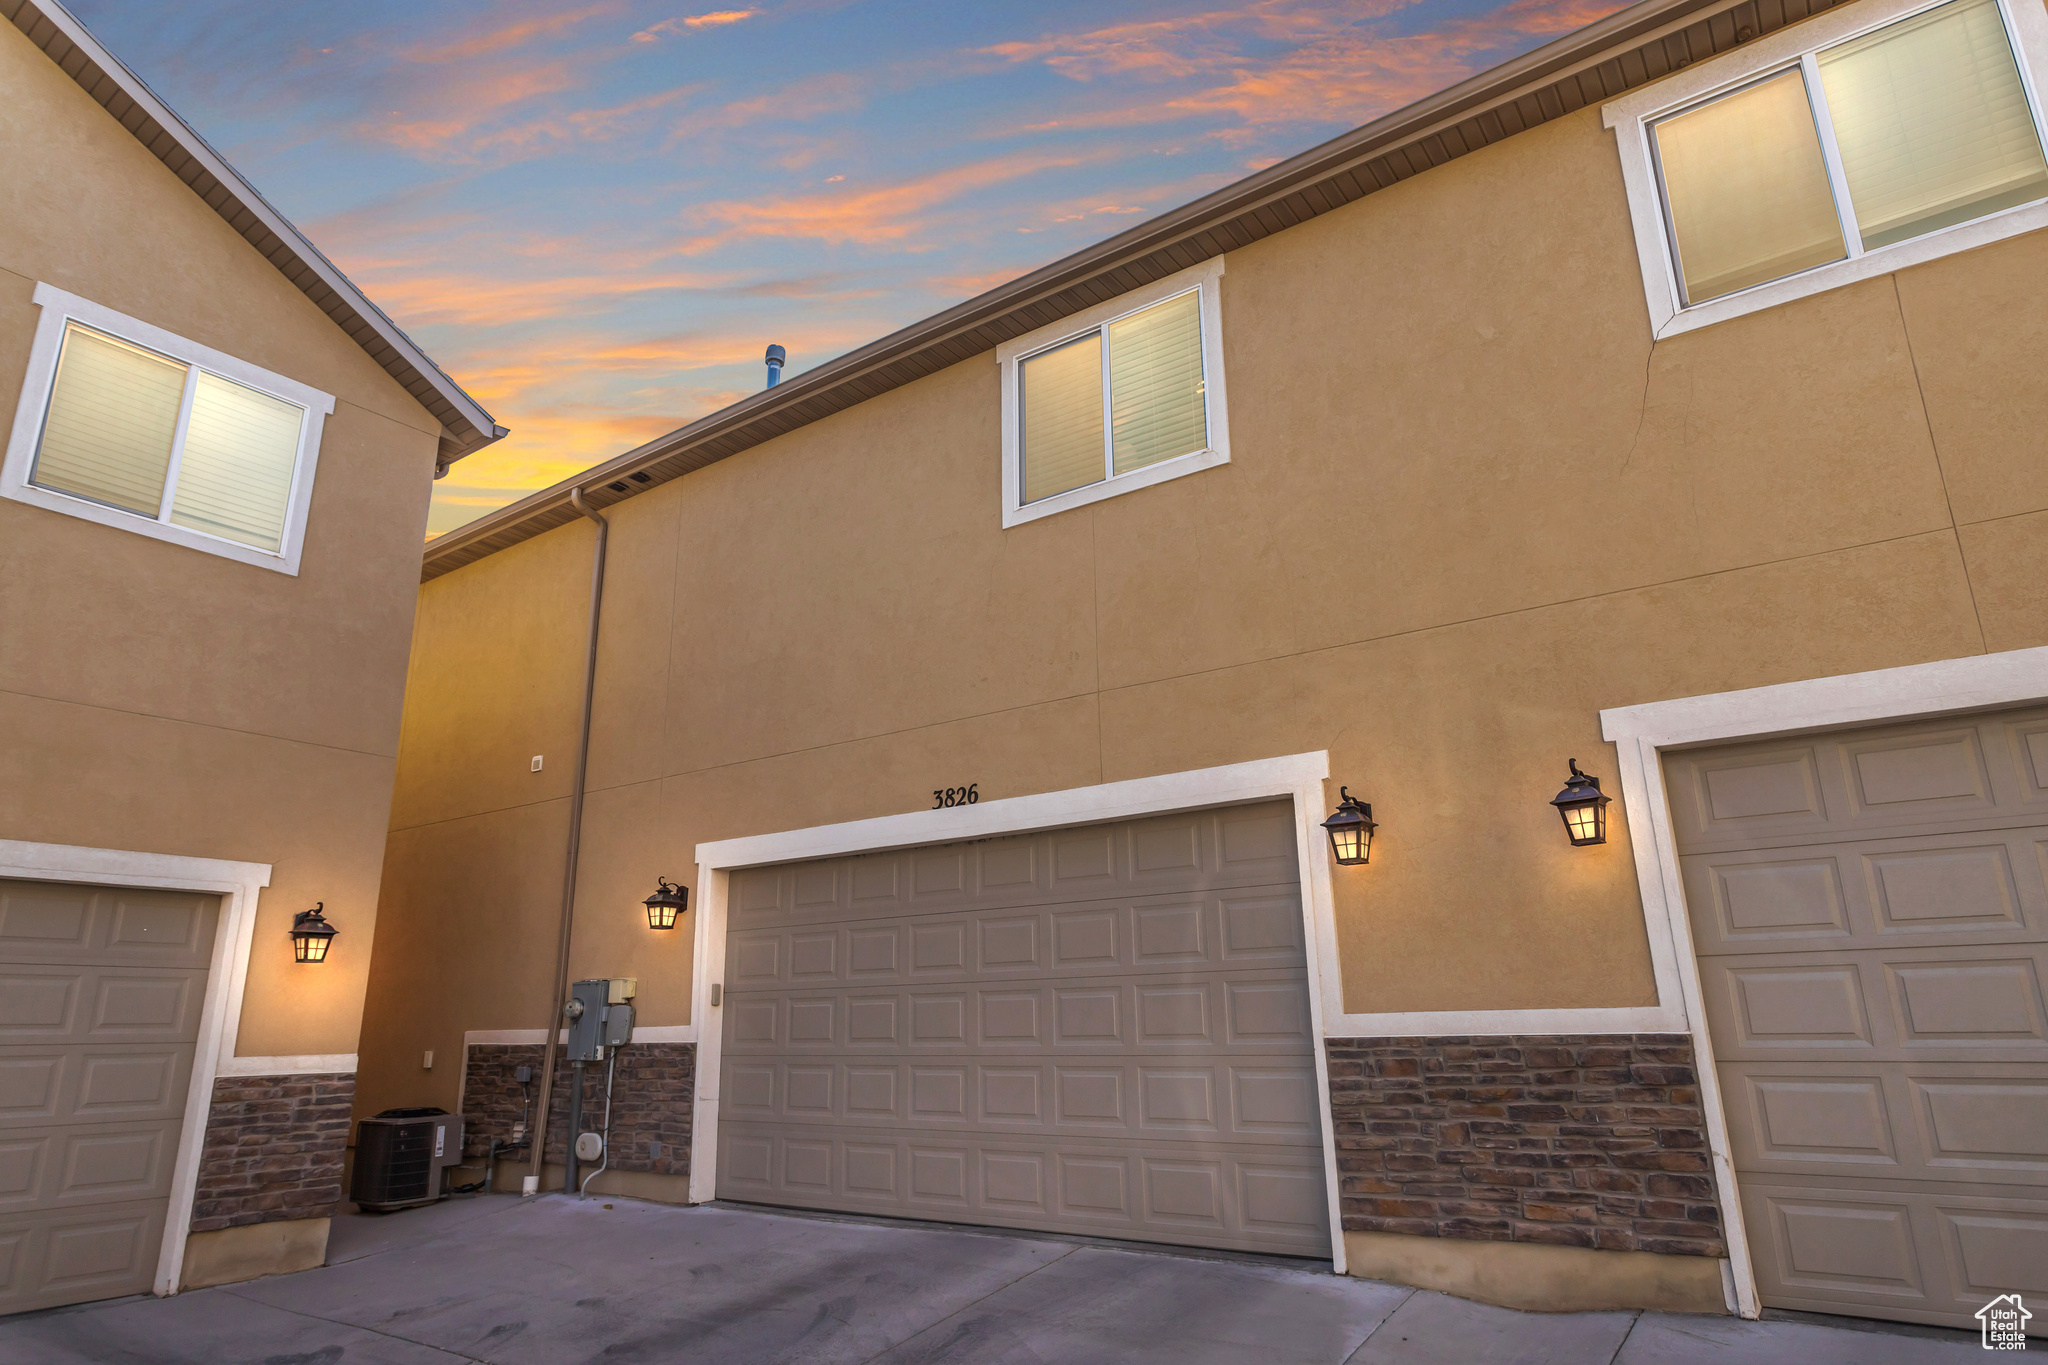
<point>551,1281</point>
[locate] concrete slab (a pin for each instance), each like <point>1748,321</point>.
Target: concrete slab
<point>551,1281</point>
<point>352,1236</point>
<point>202,1327</point>
<point>1094,1304</point>
<point>1436,1329</point>
<point>1670,1339</point>
<point>554,1281</point>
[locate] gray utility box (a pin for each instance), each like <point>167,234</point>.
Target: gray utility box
<point>400,1155</point>
<point>599,1016</point>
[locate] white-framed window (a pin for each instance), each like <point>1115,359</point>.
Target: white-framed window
<point>131,426</point>
<point>1876,136</point>
<point>1118,397</point>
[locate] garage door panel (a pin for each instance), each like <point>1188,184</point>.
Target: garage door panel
<point>1173,934</point>
<point>1205,851</point>
<point>1922,891</point>
<point>1103,1029</point>
<point>89,925</point>
<point>1977,1003</point>
<point>1172,1099</point>
<point>1907,1252</point>
<point>53,1003</point>
<point>1252,1198</point>
<point>73,1256</point>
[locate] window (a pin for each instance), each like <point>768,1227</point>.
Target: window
<point>130,426</point>
<point>1877,136</point>
<point>1125,395</point>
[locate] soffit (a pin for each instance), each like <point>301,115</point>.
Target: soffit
<point>465,426</point>
<point>1631,48</point>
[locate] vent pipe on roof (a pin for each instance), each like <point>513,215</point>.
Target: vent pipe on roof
<point>776,355</point>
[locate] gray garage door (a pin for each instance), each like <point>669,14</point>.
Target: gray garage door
<point>1100,1030</point>
<point>1872,925</point>
<point>100,994</point>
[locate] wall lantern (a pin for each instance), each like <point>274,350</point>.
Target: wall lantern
<point>1583,808</point>
<point>1351,829</point>
<point>665,904</point>
<point>311,933</point>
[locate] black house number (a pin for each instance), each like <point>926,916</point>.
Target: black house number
<point>955,796</point>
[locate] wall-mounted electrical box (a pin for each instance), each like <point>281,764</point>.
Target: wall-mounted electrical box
<point>600,1016</point>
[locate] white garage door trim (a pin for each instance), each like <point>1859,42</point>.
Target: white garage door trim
<point>2013,678</point>
<point>238,885</point>
<point>1299,776</point>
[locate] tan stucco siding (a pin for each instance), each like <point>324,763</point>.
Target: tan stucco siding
<point>163,700</point>
<point>1469,505</point>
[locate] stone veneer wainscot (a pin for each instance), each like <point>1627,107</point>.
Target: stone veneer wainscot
<point>273,1151</point>
<point>651,1102</point>
<point>1585,1141</point>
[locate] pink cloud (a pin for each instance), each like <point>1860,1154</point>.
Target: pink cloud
<point>715,19</point>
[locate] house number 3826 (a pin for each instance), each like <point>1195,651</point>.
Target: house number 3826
<point>955,796</point>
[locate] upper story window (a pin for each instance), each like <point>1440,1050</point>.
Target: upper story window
<point>127,425</point>
<point>1881,134</point>
<point>1122,396</point>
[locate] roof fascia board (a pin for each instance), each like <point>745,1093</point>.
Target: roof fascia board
<point>250,200</point>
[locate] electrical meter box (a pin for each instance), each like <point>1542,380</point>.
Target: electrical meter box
<point>598,1016</point>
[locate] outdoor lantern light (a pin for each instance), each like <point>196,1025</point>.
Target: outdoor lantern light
<point>1583,808</point>
<point>665,904</point>
<point>311,933</point>
<point>1351,829</point>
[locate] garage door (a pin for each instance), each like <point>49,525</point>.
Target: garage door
<point>1101,1030</point>
<point>100,994</point>
<point>1872,928</point>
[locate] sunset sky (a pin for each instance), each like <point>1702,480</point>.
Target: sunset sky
<point>597,216</point>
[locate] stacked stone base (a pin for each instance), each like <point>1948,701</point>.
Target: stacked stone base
<point>652,1102</point>
<point>274,1150</point>
<point>1595,1142</point>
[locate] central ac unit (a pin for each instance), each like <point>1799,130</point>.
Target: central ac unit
<point>400,1155</point>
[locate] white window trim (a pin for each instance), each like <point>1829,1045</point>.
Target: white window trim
<point>60,308</point>
<point>1631,116</point>
<point>1203,277</point>
<point>1643,733</point>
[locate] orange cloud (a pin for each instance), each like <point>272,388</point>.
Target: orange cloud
<point>889,214</point>
<point>485,42</point>
<point>715,19</point>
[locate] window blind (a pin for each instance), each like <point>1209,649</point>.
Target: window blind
<point>1156,404</point>
<point>1932,123</point>
<point>1747,189</point>
<point>235,472</point>
<point>1061,393</point>
<point>112,418</point>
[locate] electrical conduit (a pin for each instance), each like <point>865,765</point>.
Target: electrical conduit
<point>560,985</point>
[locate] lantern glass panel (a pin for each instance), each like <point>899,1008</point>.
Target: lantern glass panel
<point>311,947</point>
<point>1351,843</point>
<point>1587,823</point>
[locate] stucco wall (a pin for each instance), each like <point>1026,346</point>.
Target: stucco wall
<point>156,698</point>
<point>1470,504</point>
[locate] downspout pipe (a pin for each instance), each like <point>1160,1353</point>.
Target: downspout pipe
<point>560,985</point>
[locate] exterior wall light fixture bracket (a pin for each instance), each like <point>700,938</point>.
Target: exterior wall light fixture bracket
<point>311,933</point>
<point>1350,828</point>
<point>666,903</point>
<point>1582,808</point>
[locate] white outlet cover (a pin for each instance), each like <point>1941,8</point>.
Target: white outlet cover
<point>536,763</point>
<point>589,1147</point>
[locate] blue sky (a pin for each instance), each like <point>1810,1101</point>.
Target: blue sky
<point>597,216</point>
